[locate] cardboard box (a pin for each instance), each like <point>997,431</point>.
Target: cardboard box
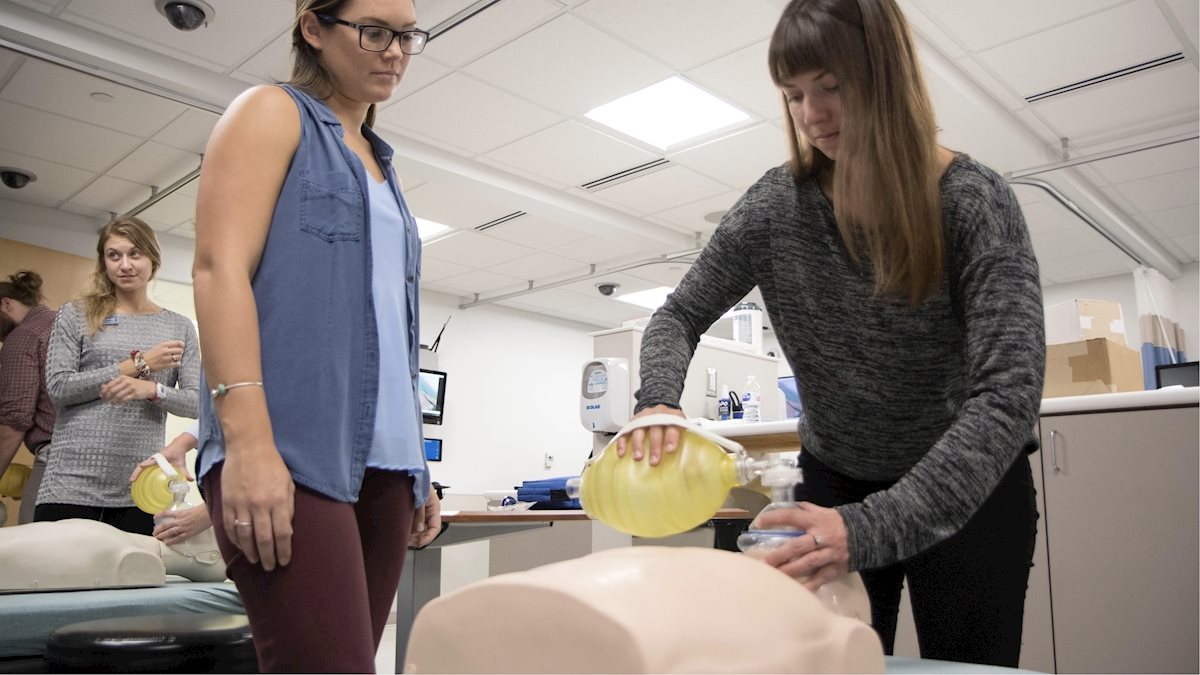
<point>1084,320</point>
<point>1098,366</point>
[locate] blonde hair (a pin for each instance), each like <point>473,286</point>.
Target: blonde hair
<point>99,301</point>
<point>885,179</point>
<point>308,73</point>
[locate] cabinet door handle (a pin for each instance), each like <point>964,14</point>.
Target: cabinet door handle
<point>1054,451</point>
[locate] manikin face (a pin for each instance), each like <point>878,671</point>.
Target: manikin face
<point>815,105</point>
<point>127,266</point>
<point>360,75</point>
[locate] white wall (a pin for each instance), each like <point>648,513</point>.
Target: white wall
<point>512,394</point>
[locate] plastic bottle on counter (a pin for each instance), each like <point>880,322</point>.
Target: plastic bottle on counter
<point>752,400</point>
<point>723,409</point>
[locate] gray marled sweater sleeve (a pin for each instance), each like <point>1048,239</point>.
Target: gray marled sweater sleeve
<point>938,399</point>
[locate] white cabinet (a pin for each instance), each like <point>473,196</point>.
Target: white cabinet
<point>1120,508</point>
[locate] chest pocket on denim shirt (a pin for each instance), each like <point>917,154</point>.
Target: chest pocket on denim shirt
<point>332,206</point>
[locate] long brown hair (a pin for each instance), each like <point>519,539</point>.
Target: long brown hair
<point>885,179</point>
<point>308,73</point>
<point>100,300</point>
<point>25,287</point>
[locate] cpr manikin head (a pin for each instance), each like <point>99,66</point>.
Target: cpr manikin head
<point>89,554</point>
<point>640,609</point>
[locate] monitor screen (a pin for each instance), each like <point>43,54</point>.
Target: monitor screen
<point>431,388</point>
<point>791,396</point>
<point>1185,374</point>
<point>433,449</point>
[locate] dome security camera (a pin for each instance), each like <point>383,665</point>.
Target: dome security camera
<point>606,289</point>
<point>185,14</point>
<point>16,178</point>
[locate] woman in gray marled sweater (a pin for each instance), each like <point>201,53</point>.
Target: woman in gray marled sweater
<point>116,365</point>
<point>900,280</point>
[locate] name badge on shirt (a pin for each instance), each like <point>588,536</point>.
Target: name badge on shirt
<point>111,321</point>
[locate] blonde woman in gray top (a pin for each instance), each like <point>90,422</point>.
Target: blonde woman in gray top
<point>117,364</point>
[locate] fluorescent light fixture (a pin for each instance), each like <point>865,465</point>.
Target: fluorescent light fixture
<point>428,228</point>
<point>650,299</point>
<point>667,113</point>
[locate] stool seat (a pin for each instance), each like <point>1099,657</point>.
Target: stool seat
<point>162,643</point>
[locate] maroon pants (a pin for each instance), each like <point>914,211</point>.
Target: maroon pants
<point>325,611</point>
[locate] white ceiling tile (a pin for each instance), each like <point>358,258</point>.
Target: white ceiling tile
<point>662,274</point>
<point>1180,221</point>
<point>61,140</point>
<point>521,173</point>
<point>481,282</point>
<point>55,182</point>
<point>535,232</point>
<point>539,266</point>
<point>189,131</point>
<point>53,88</point>
<point>101,216</point>
<point>187,229</point>
<point>467,113</point>
<point>1187,13</point>
<point>174,210</point>
<point>1181,188</point>
<point>661,190</point>
<point>992,85</point>
<point>929,29</point>
<point>1051,136</point>
<point>568,66</point>
<point>598,250</point>
<point>1067,243</point>
<point>740,159</point>
<point>433,269</point>
<point>8,60</point>
<point>683,32</point>
<point>456,205</point>
<point>421,72</point>
<point>979,25</point>
<point>609,310</point>
<point>1126,35</point>
<point>272,63</point>
<point>29,198</point>
<point>155,164</point>
<point>691,216</point>
<point>491,28</point>
<point>1127,105</point>
<point>1186,248</point>
<point>592,155</point>
<point>474,250</point>
<point>1027,194</point>
<point>1137,165</point>
<point>625,282</point>
<point>430,14</point>
<point>238,29</point>
<point>744,79</point>
<point>110,194</point>
<point>1049,216</point>
<point>39,5</point>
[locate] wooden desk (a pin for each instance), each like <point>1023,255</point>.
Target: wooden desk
<point>421,579</point>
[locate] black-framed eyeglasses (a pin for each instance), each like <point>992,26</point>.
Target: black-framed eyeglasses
<point>379,38</point>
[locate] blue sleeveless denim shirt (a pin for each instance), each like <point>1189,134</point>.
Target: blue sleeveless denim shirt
<point>316,315</point>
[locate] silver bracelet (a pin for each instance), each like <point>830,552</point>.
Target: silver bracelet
<point>223,389</point>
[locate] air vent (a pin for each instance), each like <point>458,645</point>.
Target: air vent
<point>1130,70</point>
<point>627,174</point>
<point>502,219</point>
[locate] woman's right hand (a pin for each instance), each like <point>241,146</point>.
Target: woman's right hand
<point>164,356</point>
<point>651,440</point>
<point>258,501</point>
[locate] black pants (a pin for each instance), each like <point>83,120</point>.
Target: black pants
<point>127,518</point>
<point>968,591</point>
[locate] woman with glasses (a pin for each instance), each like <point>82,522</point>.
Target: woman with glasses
<point>306,272</point>
<point>903,288</point>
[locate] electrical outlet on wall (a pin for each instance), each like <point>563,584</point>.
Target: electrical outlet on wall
<point>548,460</point>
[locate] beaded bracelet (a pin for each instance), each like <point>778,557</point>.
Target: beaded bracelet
<point>223,389</point>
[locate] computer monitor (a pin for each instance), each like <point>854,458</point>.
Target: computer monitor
<point>433,449</point>
<point>431,389</point>
<point>1186,374</point>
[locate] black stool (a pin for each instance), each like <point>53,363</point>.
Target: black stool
<point>159,643</point>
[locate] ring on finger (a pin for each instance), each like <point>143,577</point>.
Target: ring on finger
<point>242,523</point>
<point>817,539</point>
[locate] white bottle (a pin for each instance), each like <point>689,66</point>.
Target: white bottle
<point>751,400</point>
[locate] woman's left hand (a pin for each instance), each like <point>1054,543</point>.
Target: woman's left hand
<point>182,525</point>
<point>821,555</point>
<point>427,522</point>
<point>123,388</point>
